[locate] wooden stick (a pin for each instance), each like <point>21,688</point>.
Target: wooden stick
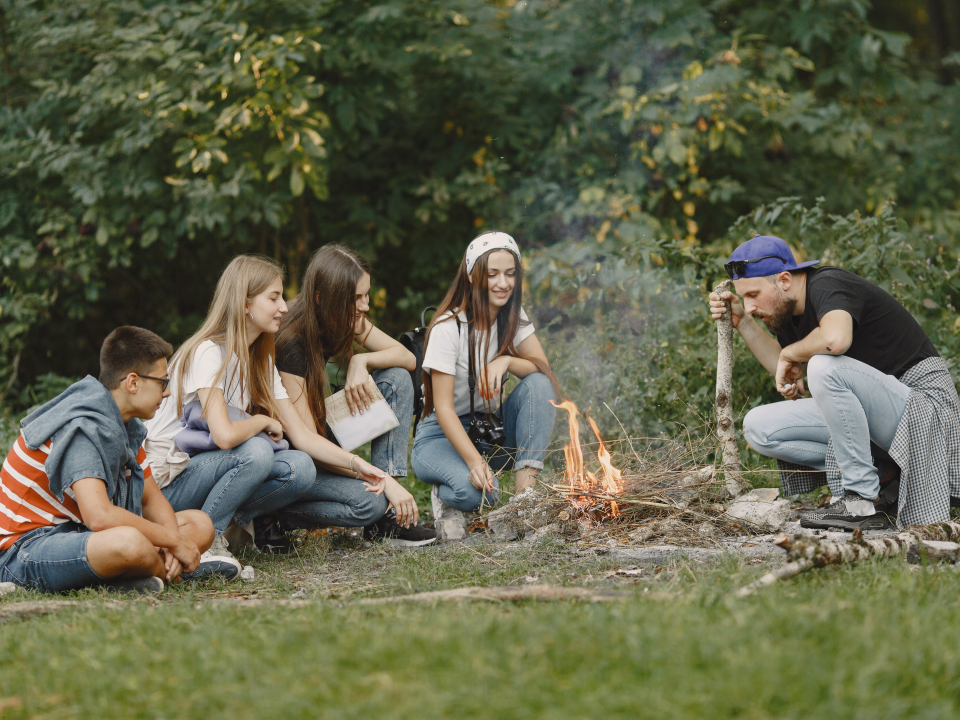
<point>807,551</point>
<point>726,432</point>
<point>499,594</point>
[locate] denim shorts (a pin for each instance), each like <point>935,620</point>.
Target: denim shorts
<point>50,559</point>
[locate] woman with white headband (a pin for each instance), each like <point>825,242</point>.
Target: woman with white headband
<point>466,437</point>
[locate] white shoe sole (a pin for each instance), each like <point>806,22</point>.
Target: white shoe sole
<point>397,542</point>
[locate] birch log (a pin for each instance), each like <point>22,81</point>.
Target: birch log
<point>726,432</point>
<point>806,552</point>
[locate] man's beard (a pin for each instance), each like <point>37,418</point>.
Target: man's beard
<point>782,313</point>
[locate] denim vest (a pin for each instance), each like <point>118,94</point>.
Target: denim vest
<point>90,439</point>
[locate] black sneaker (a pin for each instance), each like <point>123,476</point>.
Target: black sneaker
<point>387,529</point>
<point>847,513</point>
<point>217,561</point>
<point>269,536</point>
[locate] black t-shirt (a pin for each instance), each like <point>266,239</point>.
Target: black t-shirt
<point>885,335</point>
<point>292,358</point>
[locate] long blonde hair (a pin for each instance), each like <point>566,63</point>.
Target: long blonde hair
<point>245,277</point>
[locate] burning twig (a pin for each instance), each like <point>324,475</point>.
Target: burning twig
<point>726,432</point>
<point>571,451</point>
<point>808,552</point>
<point>582,483</point>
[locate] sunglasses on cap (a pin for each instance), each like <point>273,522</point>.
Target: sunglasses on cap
<point>164,382</point>
<point>739,267</point>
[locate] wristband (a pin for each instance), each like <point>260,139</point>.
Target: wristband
<point>356,473</point>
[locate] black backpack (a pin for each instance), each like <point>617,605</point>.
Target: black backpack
<point>414,342</point>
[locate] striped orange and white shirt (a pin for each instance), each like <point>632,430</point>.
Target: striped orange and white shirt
<point>26,502</point>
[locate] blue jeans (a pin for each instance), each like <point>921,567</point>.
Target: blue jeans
<point>528,420</point>
<point>345,501</point>
<point>389,451</point>
<point>852,404</point>
<point>50,559</point>
<point>334,500</point>
<point>241,483</point>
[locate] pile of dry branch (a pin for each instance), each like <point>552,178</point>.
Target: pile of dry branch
<point>670,495</point>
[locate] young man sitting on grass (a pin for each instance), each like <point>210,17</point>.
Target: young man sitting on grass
<point>78,503</point>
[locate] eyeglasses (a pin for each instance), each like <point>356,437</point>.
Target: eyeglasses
<point>164,382</point>
<point>739,267</point>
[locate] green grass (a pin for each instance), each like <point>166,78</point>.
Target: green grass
<point>873,641</point>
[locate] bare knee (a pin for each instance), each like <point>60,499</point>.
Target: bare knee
<point>197,526</point>
<point>122,550</point>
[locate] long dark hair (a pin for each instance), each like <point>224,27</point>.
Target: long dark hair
<point>472,298</point>
<point>322,317</point>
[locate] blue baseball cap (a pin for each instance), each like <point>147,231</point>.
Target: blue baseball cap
<point>761,256</point>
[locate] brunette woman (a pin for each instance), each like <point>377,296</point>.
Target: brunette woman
<point>325,321</point>
<point>229,361</point>
<point>482,312</point>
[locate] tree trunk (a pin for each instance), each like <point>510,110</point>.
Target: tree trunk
<point>806,551</point>
<point>726,432</point>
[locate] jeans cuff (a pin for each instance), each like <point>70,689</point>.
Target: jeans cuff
<point>521,464</point>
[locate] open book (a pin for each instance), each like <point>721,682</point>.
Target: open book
<point>352,431</point>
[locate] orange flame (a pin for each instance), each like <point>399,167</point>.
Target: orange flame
<point>571,451</point>
<point>612,477</point>
<point>579,478</point>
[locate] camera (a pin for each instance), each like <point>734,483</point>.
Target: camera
<point>487,430</point>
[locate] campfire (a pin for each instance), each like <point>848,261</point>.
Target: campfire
<point>586,490</point>
<point>669,490</point>
<point>665,489</point>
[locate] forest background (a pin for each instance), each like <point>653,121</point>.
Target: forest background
<point>628,145</point>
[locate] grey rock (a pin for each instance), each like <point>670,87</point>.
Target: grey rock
<point>761,507</point>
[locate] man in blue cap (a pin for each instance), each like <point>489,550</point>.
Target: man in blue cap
<point>876,381</point>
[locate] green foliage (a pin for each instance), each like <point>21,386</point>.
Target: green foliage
<point>143,143</point>
<point>151,130</point>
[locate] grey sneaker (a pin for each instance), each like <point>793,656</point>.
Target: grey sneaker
<point>135,586</point>
<point>450,523</point>
<point>218,560</point>
<point>850,512</point>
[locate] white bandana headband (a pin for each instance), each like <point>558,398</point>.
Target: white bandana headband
<point>490,241</point>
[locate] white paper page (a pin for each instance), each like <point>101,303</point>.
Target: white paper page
<point>352,431</point>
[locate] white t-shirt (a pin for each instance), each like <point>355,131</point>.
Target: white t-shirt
<point>447,352</point>
<point>206,363</point>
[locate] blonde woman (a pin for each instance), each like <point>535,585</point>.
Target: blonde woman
<point>230,361</point>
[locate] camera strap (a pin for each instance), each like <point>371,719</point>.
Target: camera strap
<point>471,379</point>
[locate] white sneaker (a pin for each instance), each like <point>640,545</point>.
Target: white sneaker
<point>218,560</point>
<point>450,523</point>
